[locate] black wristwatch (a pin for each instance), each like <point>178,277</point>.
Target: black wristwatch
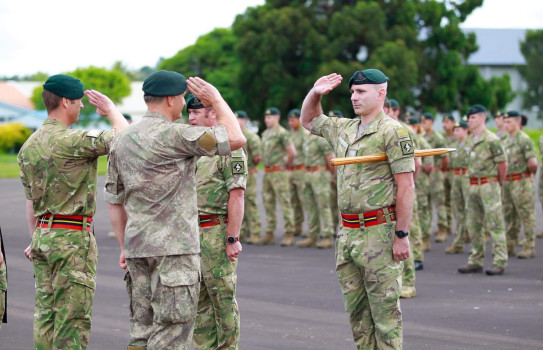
<point>401,234</point>
<point>232,239</point>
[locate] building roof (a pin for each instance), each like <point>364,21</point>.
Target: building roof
<point>497,47</point>
<point>9,93</point>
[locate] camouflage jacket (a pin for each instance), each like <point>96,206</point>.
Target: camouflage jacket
<point>252,147</point>
<point>315,151</point>
<point>151,170</point>
<point>485,154</point>
<point>215,177</point>
<point>274,144</point>
<point>58,168</point>
<point>518,150</point>
<point>436,140</point>
<point>460,158</point>
<point>364,187</point>
<point>298,138</point>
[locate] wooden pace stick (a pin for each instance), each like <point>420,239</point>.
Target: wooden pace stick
<point>381,156</point>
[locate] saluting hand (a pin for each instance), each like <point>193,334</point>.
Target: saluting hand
<point>233,250</point>
<point>102,103</point>
<point>400,248</point>
<point>327,83</point>
<point>206,92</point>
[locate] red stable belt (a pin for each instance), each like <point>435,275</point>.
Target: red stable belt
<point>460,171</point>
<point>482,180</point>
<point>70,222</point>
<point>370,218</point>
<point>211,220</point>
<point>516,177</point>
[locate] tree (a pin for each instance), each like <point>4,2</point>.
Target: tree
<point>532,72</point>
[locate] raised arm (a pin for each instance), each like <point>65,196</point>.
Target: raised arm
<point>311,107</point>
<point>210,96</point>
<point>105,107</point>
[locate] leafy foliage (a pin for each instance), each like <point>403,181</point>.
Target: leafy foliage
<point>13,136</point>
<point>532,50</point>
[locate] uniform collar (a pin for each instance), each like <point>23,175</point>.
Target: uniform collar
<point>371,128</point>
<point>54,122</point>
<point>151,114</point>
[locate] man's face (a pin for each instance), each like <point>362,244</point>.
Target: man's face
<point>200,117</point>
<point>427,124</point>
<point>271,120</point>
<point>74,108</point>
<point>395,113</point>
<point>242,123</point>
<point>364,98</point>
<point>499,121</point>
<point>511,124</point>
<point>178,105</point>
<point>448,125</point>
<point>294,123</point>
<point>460,133</point>
<point>475,121</point>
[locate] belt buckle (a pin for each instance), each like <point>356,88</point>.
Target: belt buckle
<point>380,216</point>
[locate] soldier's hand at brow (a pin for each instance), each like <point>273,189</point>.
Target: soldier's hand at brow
<point>102,103</point>
<point>400,248</point>
<point>327,83</point>
<point>27,252</point>
<point>206,92</point>
<point>233,250</point>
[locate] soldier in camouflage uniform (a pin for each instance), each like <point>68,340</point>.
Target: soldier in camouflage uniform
<point>251,226</point>
<point>297,179</point>
<point>277,155</point>
<point>448,174</point>
<point>540,189</point>
<point>499,122</point>
<point>460,185</point>
<point>486,171</point>
<point>58,170</point>
<point>333,184</point>
<point>221,182</point>
<point>151,188</point>
<point>518,189</point>
<point>3,284</point>
<point>437,190</point>
<point>375,200</point>
<point>317,155</point>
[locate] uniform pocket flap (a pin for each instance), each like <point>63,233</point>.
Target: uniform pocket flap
<point>175,278</point>
<point>83,279</point>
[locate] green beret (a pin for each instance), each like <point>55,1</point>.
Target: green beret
<point>410,113</point>
<point>427,115</point>
<point>511,114</point>
<point>194,102</point>
<point>241,114</point>
<point>475,109</point>
<point>461,124</point>
<point>64,86</point>
<point>164,83</point>
<point>127,116</point>
<point>272,111</point>
<point>394,103</point>
<point>335,113</point>
<point>294,113</point>
<point>367,76</point>
<point>449,117</point>
<point>499,114</point>
<point>412,121</point>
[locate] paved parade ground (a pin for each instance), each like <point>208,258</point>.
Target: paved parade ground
<point>290,299</point>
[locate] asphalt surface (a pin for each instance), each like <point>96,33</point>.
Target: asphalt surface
<point>289,298</point>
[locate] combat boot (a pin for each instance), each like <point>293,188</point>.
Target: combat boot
<point>539,235</point>
<point>268,239</point>
<point>253,239</point>
<point>526,253</point>
<point>470,269</point>
<point>325,243</point>
<point>495,270</point>
<point>309,242</point>
<point>426,244</point>
<point>132,347</point>
<point>454,250</point>
<point>111,234</point>
<point>441,235</point>
<point>288,240</point>
<point>408,292</point>
<point>511,251</point>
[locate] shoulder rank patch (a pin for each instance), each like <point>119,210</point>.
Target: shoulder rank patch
<point>94,133</point>
<point>238,167</point>
<point>207,142</point>
<point>407,147</point>
<point>402,133</point>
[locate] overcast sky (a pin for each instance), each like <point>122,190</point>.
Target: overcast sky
<point>60,35</point>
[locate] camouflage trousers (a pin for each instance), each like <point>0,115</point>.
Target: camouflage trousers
<point>484,214</point>
<point>297,185</point>
<point>415,243</point>
<point>276,186</point>
<point>65,276</point>
<point>540,190</point>
<point>422,194</point>
<point>437,197</point>
<point>371,282</point>
<point>459,195</point>
<point>317,193</point>
<point>3,289</point>
<point>519,207</point>
<point>163,293</point>
<point>333,205</point>
<point>218,322</point>
<point>251,225</point>
<point>448,178</point>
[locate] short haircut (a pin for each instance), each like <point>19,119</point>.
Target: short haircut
<point>50,100</point>
<point>153,99</point>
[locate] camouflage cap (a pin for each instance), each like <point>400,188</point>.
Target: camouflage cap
<point>272,111</point>
<point>461,124</point>
<point>241,114</point>
<point>64,86</point>
<point>164,83</point>
<point>426,116</point>
<point>368,76</point>
<point>449,116</point>
<point>475,109</point>
<point>335,113</point>
<point>194,102</point>
<point>394,103</point>
<point>511,114</point>
<point>294,113</point>
<point>412,121</point>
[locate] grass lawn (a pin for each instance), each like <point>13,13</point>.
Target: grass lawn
<point>10,168</point>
